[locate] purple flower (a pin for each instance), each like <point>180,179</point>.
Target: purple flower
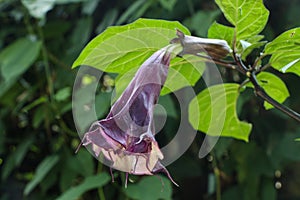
<point>126,136</point>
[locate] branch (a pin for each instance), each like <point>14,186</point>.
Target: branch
<point>218,49</point>
<point>259,91</point>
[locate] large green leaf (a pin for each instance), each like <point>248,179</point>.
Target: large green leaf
<point>42,170</point>
<point>89,183</point>
<point>120,48</point>
<point>183,72</point>
<point>17,57</point>
<point>213,111</point>
<point>249,17</point>
<point>273,86</point>
<point>285,51</point>
<point>220,31</point>
<point>150,188</point>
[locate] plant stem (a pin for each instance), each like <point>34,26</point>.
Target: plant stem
<point>100,190</point>
<point>229,65</point>
<point>259,91</point>
<point>218,183</point>
<point>46,64</point>
<point>217,176</point>
<point>257,60</point>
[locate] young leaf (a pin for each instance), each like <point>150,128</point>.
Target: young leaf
<point>88,184</point>
<point>213,111</point>
<point>273,86</point>
<point>42,170</point>
<point>254,43</point>
<point>285,51</point>
<point>249,17</point>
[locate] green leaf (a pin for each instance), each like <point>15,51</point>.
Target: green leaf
<point>168,4</point>
<point>205,18</point>
<point>37,8</point>
<point>107,20</point>
<point>35,103</point>
<point>63,94</point>
<point>121,48</point>
<point>219,31</point>
<point>252,43</point>
<point>168,104</point>
<point>273,86</point>
<point>89,183</point>
<point>183,72</point>
<point>268,189</point>
<point>15,158</point>
<point>42,170</point>
<point>298,139</point>
<point>249,17</point>
<point>74,165</point>
<point>287,148</point>
<point>18,57</point>
<point>150,188</point>
<point>213,112</point>
<point>79,37</point>
<point>88,7</point>
<point>285,51</point>
<point>133,8</point>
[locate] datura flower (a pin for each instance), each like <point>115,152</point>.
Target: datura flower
<point>126,136</point>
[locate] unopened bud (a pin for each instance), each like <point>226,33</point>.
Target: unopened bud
<point>215,48</point>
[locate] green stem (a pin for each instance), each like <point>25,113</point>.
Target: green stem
<point>56,61</point>
<point>257,60</point>
<point>46,64</point>
<point>27,23</point>
<point>218,183</point>
<point>217,176</point>
<point>100,190</point>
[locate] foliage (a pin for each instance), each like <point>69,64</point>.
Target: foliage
<point>39,42</point>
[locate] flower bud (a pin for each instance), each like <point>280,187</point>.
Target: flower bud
<point>215,48</point>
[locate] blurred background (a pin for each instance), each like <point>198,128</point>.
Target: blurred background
<point>40,39</point>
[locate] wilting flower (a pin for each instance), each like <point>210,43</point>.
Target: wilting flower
<point>126,136</point>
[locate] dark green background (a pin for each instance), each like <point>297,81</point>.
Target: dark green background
<point>36,119</point>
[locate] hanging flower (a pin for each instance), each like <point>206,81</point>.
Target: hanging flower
<point>126,136</point>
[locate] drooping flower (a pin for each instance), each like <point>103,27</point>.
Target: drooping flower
<point>126,136</point>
